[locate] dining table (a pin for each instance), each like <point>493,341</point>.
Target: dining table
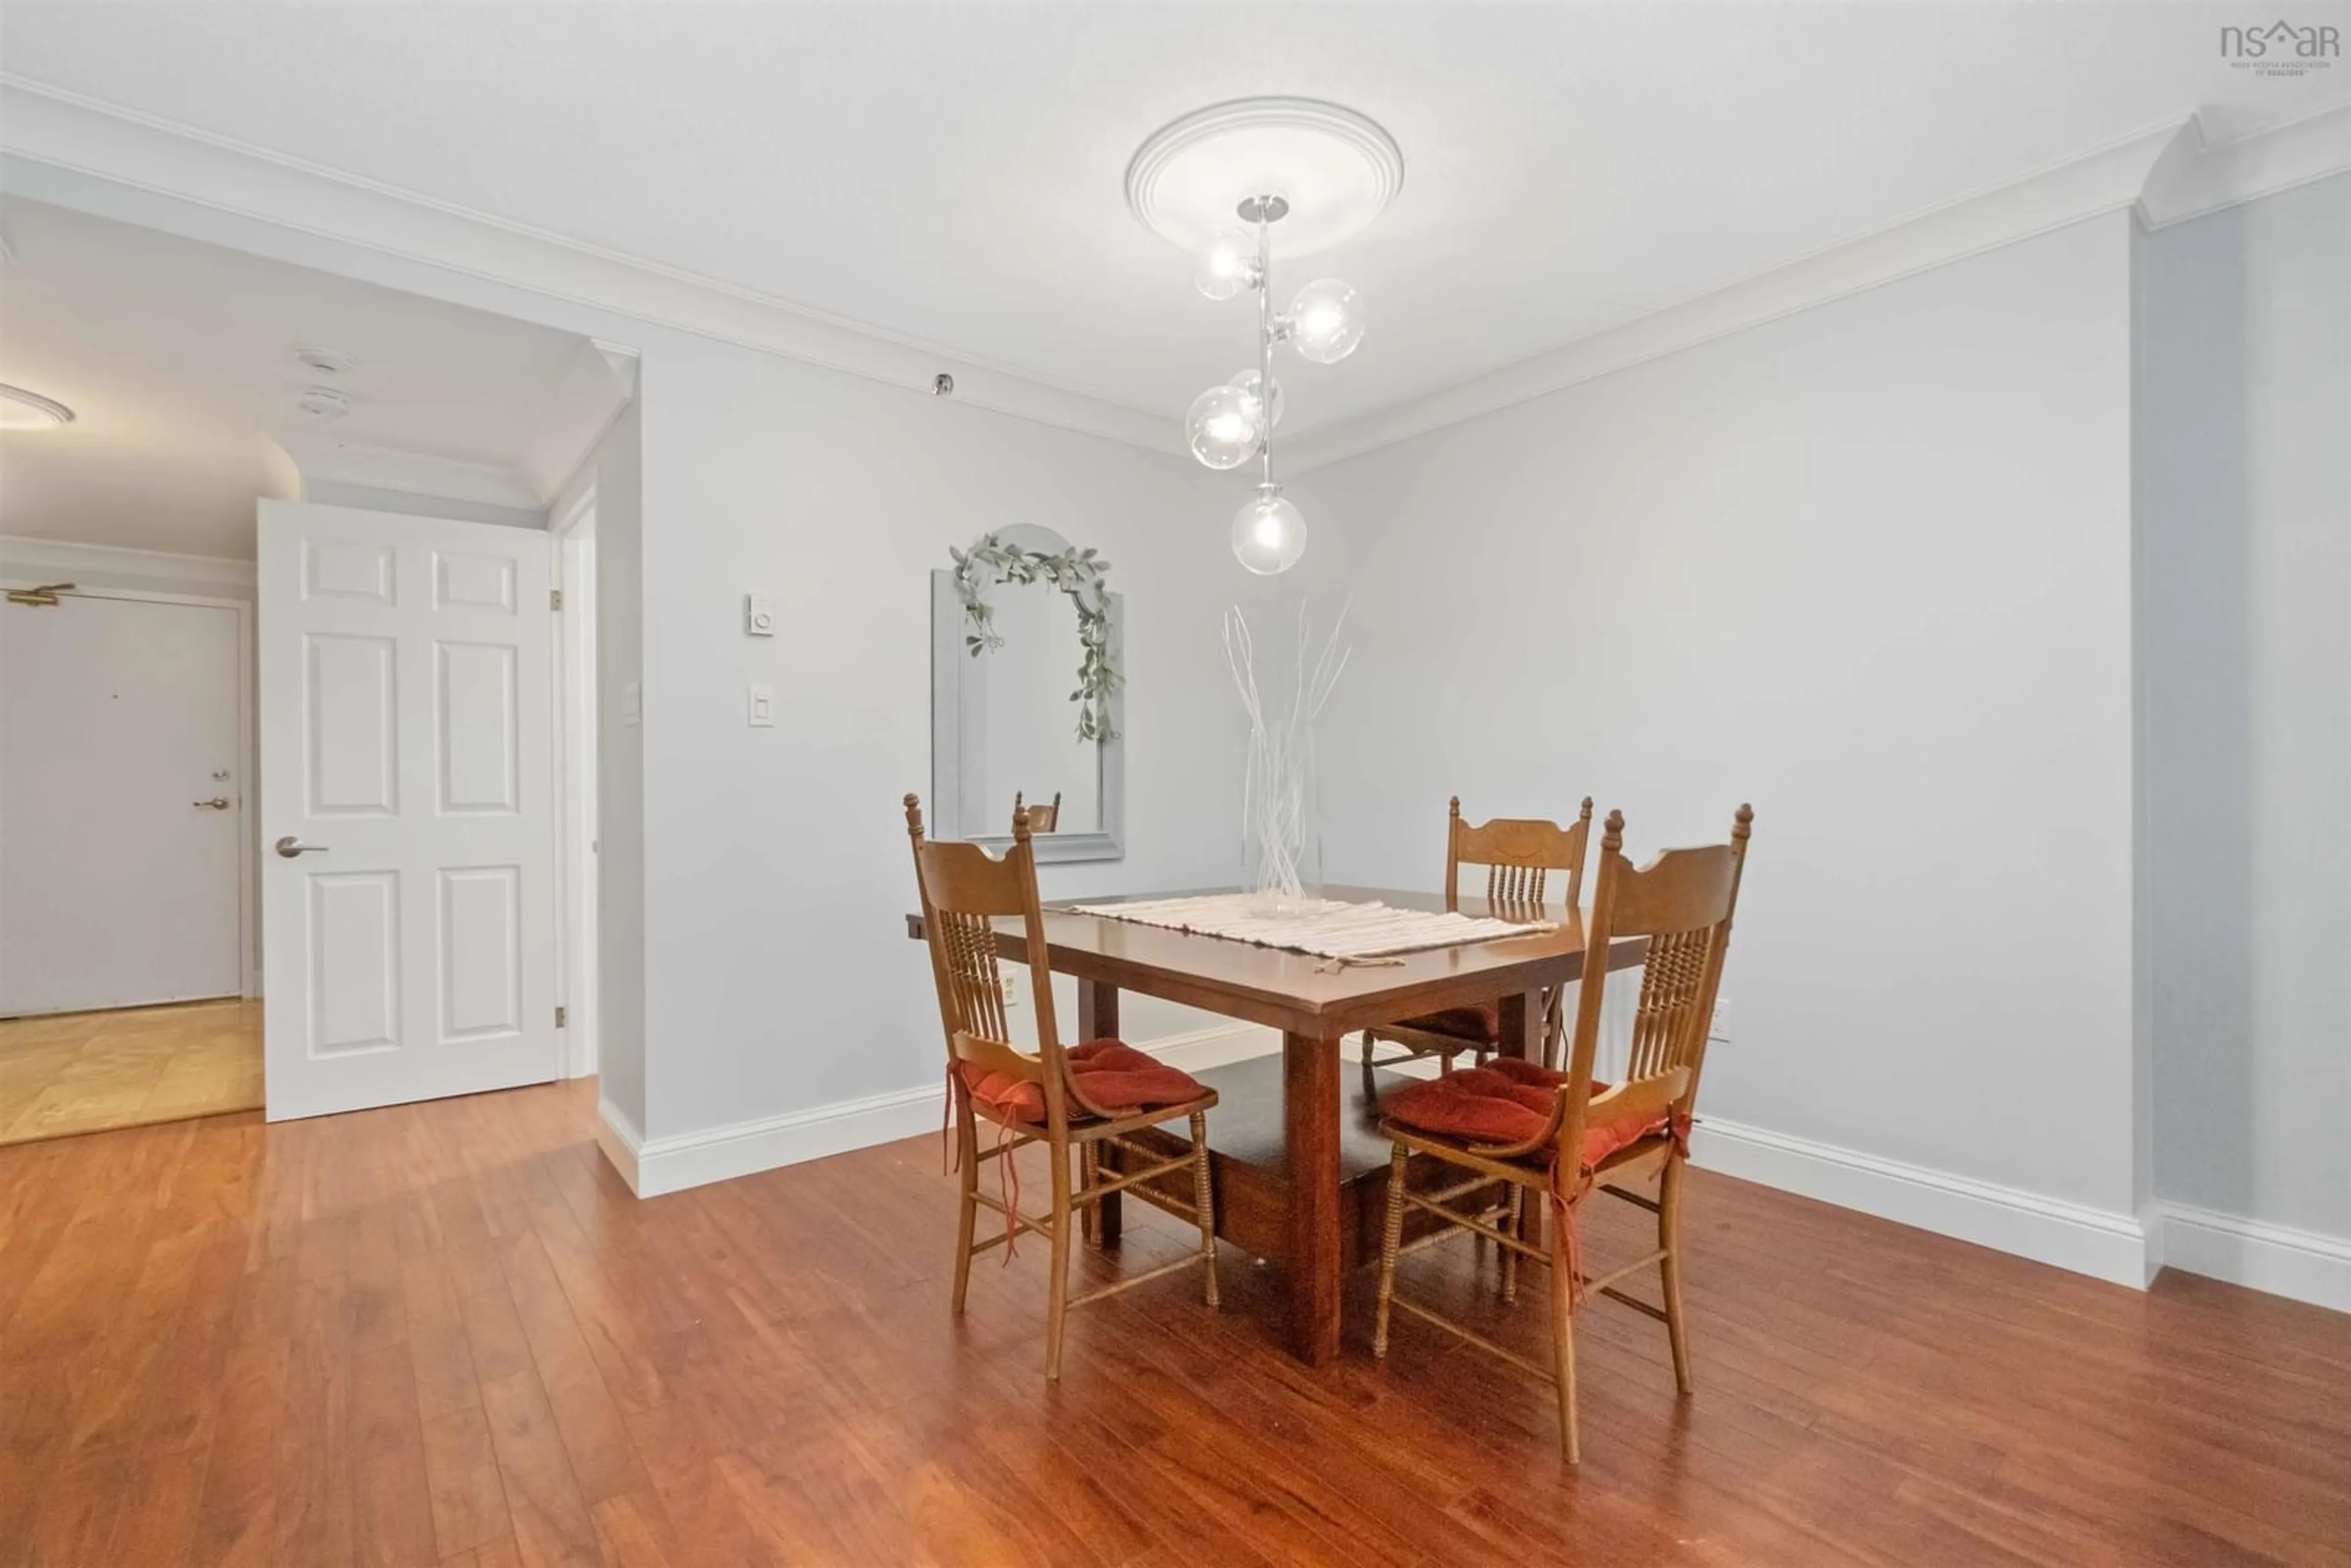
<point>1298,1171</point>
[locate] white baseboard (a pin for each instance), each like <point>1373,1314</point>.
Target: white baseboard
<point>619,1138</point>
<point>2106,1245</point>
<point>656,1166</point>
<point>2098,1242</point>
<point>2302,1264</point>
<point>1214,1047</point>
<point>740,1148</point>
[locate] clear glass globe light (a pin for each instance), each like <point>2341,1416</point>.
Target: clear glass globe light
<point>1247,381</point>
<point>1226,266</point>
<point>1268,533</point>
<point>1326,321</point>
<point>1222,427</point>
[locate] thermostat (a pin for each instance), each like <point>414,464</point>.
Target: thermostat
<point>759,615</point>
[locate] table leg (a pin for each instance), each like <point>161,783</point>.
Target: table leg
<point>1523,1025</point>
<point>1310,1108</point>
<point>1522,1036</point>
<point>1098,1020</point>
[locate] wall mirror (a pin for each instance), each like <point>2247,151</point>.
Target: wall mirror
<point>1023,706</point>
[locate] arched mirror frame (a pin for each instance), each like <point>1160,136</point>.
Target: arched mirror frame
<point>961,813</point>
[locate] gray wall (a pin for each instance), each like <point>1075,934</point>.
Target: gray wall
<point>619,774</point>
<point>1867,567</point>
<point>2242,495</point>
<point>777,973</point>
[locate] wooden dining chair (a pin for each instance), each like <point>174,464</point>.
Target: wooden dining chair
<point>1519,854</point>
<point>1562,1135</point>
<point>1070,1101</point>
<point>1041,818</point>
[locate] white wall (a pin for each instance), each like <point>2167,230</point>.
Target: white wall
<point>779,977</point>
<point>2244,515</point>
<point>1867,567</point>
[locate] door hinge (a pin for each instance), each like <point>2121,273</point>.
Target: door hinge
<point>559,1017</point>
<point>554,598</point>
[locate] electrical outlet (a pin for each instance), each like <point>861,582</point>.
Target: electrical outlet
<point>1720,1026</point>
<point>1012,984</point>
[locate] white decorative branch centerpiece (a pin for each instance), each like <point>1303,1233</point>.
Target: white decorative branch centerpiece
<point>1281,845</point>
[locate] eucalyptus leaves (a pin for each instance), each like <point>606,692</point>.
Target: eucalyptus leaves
<point>1076,572</point>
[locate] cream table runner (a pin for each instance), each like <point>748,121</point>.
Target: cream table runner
<point>1325,928</point>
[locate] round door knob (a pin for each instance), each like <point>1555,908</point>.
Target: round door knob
<point>290,846</point>
<point>217,803</point>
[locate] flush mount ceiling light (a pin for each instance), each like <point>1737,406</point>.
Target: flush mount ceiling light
<point>325,361</point>
<point>1324,173</point>
<point>22,410</point>
<point>323,403</point>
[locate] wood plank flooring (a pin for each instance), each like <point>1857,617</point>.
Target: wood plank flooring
<point>65,1073</point>
<point>446,1333</point>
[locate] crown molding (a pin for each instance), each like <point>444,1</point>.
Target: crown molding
<point>20,553</point>
<point>60,132</point>
<point>2198,174</point>
<point>322,459</point>
<point>2165,175</point>
<point>60,147</point>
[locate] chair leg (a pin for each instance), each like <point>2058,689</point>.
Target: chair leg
<point>1669,1239</point>
<point>967,1144</point>
<point>1203,1202</point>
<point>1371,1079</point>
<point>1511,1225</point>
<point>1057,1307</point>
<point>1562,1342</point>
<point>1391,1239</point>
<point>1090,1217</point>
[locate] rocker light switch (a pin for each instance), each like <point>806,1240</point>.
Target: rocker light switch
<point>763,707</point>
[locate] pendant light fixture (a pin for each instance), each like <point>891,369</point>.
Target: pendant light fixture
<point>1267,155</point>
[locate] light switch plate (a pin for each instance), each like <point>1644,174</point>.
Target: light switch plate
<point>631,702</point>
<point>763,707</point>
<point>759,615</point>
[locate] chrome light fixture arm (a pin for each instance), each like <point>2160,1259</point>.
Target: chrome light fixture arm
<point>1265,337</point>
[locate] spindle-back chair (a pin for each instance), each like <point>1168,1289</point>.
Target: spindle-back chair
<point>964,892</point>
<point>1596,1137</point>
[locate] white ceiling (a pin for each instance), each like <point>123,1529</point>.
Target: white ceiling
<point>952,173</point>
<point>178,359</point>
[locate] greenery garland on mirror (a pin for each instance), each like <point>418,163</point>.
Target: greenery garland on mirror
<point>1076,572</point>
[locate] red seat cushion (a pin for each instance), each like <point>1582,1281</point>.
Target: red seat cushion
<point>1480,1023</point>
<point>1114,1074</point>
<point>1506,1101</point>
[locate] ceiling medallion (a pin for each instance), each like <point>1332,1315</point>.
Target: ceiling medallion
<point>1324,173</point>
<point>22,410</point>
<point>1338,168</point>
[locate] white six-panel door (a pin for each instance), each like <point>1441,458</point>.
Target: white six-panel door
<point>409,921</point>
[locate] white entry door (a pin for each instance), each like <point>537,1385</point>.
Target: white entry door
<point>409,919</point>
<point>121,803</point>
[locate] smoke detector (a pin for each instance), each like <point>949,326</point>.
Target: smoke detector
<point>323,403</point>
<point>326,361</point>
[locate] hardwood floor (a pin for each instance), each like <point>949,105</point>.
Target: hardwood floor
<point>446,1333</point>
<point>79,1072</point>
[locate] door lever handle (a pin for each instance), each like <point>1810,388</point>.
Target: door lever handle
<point>217,803</point>
<point>290,846</point>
